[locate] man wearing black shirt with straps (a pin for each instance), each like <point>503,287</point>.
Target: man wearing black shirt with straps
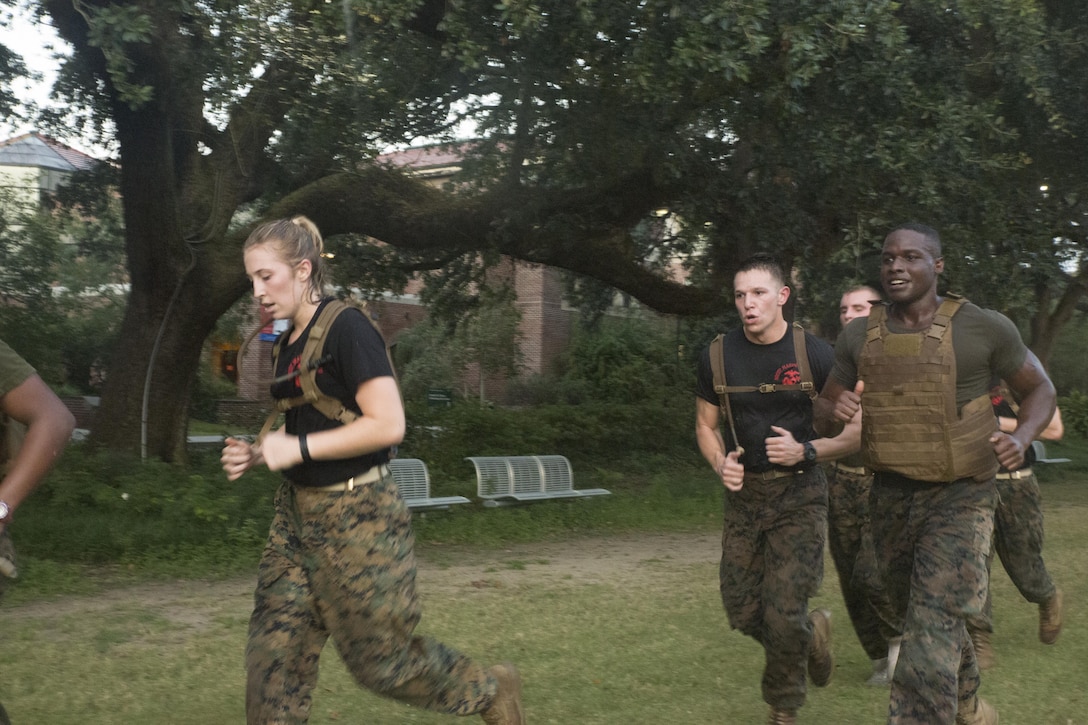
<point>775,520</point>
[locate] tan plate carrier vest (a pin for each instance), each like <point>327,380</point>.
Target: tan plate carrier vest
<point>717,367</point>
<point>909,422</point>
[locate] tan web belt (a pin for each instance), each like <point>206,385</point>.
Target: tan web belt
<point>1014,475</point>
<point>370,476</point>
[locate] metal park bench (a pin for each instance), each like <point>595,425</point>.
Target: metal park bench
<point>1040,454</point>
<point>507,479</point>
<point>414,484</point>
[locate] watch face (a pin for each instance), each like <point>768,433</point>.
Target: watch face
<point>810,452</point>
<point>4,510</point>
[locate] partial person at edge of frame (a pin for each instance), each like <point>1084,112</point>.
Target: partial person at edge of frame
<point>35,426</point>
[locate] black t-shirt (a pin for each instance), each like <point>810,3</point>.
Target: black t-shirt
<point>356,354</point>
<point>747,363</point>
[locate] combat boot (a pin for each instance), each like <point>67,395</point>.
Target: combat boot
<point>820,663</point>
<point>780,716</point>
<point>984,650</point>
<point>506,707</point>
<point>1050,618</point>
<point>976,711</point>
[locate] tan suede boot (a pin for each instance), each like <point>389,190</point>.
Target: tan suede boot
<point>976,712</point>
<point>984,650</point>
<point>506,707</point>
<point>780,716</point>
<point>1050,618</point>
<point>820,663</point>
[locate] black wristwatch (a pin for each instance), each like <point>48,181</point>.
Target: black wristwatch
<point>810,453</point>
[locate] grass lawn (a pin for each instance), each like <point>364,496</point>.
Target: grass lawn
<point>624,628</point>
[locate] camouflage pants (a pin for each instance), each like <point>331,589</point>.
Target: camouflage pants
<point>932,541</point>
<point>850,539</point>
<point>772,562</point>
<point>342,565</point>
<point>1018,541</point>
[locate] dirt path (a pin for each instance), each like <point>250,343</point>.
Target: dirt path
<point>628,558</point>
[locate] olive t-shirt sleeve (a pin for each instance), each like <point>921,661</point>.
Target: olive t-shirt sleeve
<point>847,352</point>
<point>13,369</point>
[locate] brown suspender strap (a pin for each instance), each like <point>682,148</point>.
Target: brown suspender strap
<point>801,351</point>
<point>717,366</point>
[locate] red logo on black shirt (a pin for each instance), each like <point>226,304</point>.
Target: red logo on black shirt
<point>788,374</point>
<point>293,369</point>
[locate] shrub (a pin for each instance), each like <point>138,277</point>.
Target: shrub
<point>105,507</point>
<point>626,437</point>
<point>1074,409</point>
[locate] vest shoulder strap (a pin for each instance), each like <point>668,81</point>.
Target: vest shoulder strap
<point>877,315</point>
<point>951,304</point>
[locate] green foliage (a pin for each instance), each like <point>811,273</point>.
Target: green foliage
<point>210,388</point>
<point>61,275</point>
<point>113,28</point>
<point>1074,409</point>
<point>11,67</point>
<point>617,360</point>
<point>103,507</point>
<point>1066,364</point>
<point>439,352</point>
<point>32,319</point>
<point>627,361</point>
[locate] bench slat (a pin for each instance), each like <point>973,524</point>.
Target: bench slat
<point>414,483</point>
<point>526,478</point>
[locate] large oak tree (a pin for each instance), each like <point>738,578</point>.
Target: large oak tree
<point>801,126</point>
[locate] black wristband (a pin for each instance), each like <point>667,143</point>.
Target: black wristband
<point>304,448</point>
